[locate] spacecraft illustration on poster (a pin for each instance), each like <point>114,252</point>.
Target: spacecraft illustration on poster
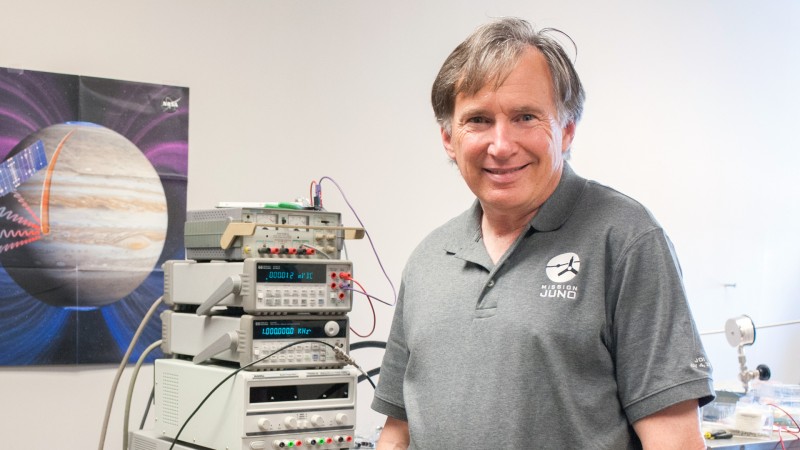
<point>93,176</point>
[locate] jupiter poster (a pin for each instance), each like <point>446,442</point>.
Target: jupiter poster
<point>93,176</point>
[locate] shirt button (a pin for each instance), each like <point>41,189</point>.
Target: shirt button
<point>490,283</point>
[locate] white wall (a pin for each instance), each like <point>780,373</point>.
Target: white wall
<point>691,109</point>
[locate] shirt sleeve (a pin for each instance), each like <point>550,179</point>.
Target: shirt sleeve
<point>659,357</point>
<point>388,398</point>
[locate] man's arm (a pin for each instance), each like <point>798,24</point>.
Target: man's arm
<point>676,427</point>
<point>394,435</point>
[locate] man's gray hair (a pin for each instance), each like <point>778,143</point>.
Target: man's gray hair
<point>489,55</point>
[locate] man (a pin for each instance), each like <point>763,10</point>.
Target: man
<point>551,314</point>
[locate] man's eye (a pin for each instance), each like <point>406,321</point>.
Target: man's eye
<point>477,120</point>
<point>527,117</point>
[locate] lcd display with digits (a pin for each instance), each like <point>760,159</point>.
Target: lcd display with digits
<point>271,394</point>
<point>306,329</point>
<point>290,273</point>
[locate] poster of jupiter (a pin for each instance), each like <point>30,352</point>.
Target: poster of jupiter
<point>93,176</point>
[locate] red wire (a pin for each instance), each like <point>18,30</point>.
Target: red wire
<point>374,318</point>
<point>780,435</point>
<point>787,414</point>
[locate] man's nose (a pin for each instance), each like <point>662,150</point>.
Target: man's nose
<point>502,144</point>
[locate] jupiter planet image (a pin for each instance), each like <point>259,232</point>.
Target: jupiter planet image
<point>94,220</point>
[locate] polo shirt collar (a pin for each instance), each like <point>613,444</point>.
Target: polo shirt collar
<point>465,241</point>
<point>555,211</point>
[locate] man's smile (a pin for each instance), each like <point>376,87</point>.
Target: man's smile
<point>505,171</point>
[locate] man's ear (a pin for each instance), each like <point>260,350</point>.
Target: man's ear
<point>448,143</point>
<point>567,135</point>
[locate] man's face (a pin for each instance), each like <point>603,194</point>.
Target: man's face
<point>507,142</point>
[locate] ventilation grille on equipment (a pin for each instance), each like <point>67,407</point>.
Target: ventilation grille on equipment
<point>213,214</point>
<point>169,399</point>
<point>142,444</point>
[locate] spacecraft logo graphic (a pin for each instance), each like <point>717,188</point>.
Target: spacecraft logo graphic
<point>169,105</point>
<point>563,267</point>
<point>560,270</point>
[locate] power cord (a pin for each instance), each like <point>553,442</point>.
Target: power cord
<point>131,385</point>
<point>121,368</point>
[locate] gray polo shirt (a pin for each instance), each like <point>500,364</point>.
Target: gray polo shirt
<point>578,331</point>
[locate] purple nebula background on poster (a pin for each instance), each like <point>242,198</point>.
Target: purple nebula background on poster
<point>154,118</point>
